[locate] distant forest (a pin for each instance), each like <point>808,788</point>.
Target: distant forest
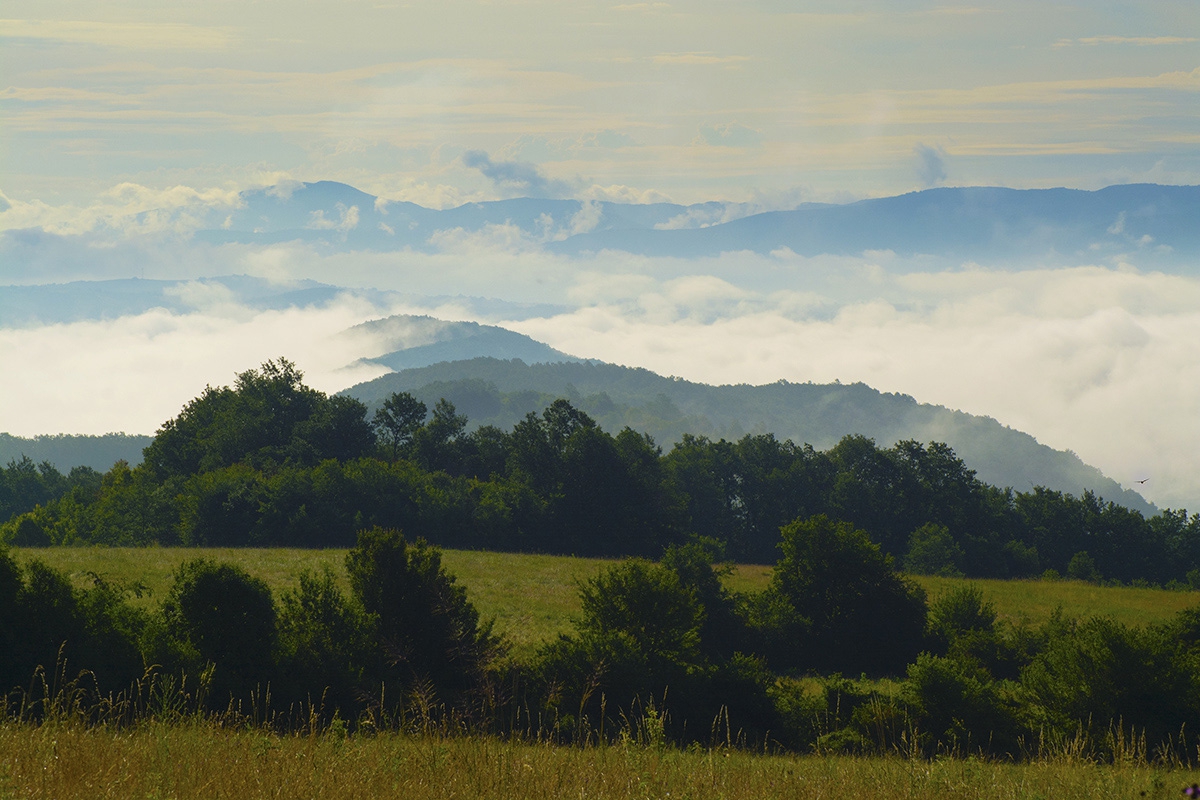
<point>273,462</point>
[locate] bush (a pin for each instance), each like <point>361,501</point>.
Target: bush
<point>1082,567</point>
<point>218,614</point>
<point>1100,673</point>
<point>933,551</point>
<point>862,615</point>
<point>428,634</point>
<point>641,639</point>
<point>323,645</point>
<point>959,708</point>
<point>648,605</point>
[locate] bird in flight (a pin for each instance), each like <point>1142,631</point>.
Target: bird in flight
<point>1143,480</point>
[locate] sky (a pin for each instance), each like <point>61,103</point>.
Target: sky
<point>760,100</point>
<point>123,123</point>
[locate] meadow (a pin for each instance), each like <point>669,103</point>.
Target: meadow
<point>201,760</point>
<point>532,598</point>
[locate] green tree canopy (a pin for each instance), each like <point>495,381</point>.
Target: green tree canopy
<point>428,631</point>
<point>269,418</point>
<point>862,616</point>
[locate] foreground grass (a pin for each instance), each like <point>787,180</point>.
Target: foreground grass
<point>533,597</point>
<point>200,761</point>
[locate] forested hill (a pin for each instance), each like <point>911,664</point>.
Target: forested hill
<point>496,392</point>
<point>65,451</point>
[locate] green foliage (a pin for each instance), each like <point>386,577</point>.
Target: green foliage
<point>960,611</point>
<point>428,633</point>
<point>46,623</point>
<point>269,419</point>
<point>957,707</point>
<point>861,616</point>
<point>397,420</point>
<point>643,638</point>
<point>1082,567</point>
<point>271,461</point>
<point>1098,673</point>
<point>933,551</point>
<point>218,614</point>
<point>324,645</point>
<point>647,605</point>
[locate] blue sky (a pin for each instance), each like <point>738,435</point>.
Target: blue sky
<point>765,101</point>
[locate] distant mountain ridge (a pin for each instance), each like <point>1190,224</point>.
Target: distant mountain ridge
<point>498,392</point>
<point>1158,223</point>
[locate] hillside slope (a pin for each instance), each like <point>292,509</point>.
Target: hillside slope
<point>500,392</point>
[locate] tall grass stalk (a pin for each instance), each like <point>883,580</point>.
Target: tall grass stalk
<point>206,760</point>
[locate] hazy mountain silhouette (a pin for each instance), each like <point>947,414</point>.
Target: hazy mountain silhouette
<point>65,451</point>
<point>959,223</point>
<point>970,223</point>
<point>418,341</point>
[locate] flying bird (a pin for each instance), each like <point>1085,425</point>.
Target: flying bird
<point>1143,480</point>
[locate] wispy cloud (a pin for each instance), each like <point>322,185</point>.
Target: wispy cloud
<point>699,59</point>
<point>729,134</point>
<point>521,177</point>
<point>124,35</point>
<point>931,164</point>
<point>1140,41</point>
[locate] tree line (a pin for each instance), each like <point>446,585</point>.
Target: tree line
<point>272,462</point>
<point>661,649</point>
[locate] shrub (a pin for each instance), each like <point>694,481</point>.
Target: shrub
<point>323,644</point>
<point>1100,673</point>
<point>218,614</point>
<point>959,708</point>
<point>1082,567</point>
<point>641,639</point>
<point>428,633</point>
<point>933,551</point>
<point>863,616</point>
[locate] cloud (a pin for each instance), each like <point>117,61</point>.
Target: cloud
<point>347,219</point>
<point>1085,359</point>
<point>138,371</point>
<point>125,35</point>
<point>127,209</point>
<point>730,134</point>
<point>1091,358</point>
<point>520,176</point>
<point>607,139</point>
<point>624,194</point>
<point>931,164</point>
<point>703,59</point>
<point>587,218</point>
<point>1140,41</point>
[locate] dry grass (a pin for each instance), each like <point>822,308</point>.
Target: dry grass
<point>202,761</point>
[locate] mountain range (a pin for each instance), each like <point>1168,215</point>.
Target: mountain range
<point>1157,223</point>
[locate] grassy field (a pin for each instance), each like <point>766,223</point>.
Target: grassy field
<point>201,761</point>
<point>532,597</point>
